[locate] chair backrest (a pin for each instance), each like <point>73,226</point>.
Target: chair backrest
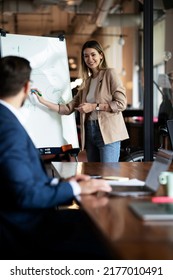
<point>170,131</point>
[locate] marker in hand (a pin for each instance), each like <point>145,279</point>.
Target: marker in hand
<point>36,91</point>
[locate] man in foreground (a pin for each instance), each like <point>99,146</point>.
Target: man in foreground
<point>30,227</point>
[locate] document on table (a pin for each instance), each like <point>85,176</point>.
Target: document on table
<point>130,182</point>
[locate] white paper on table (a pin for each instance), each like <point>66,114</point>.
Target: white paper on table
<point>131,182</point>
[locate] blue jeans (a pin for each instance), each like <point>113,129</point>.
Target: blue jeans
<point>96,150</point>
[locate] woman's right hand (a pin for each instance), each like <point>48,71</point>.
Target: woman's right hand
<point>86,107</point>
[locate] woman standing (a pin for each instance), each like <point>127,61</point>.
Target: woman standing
<point>100,100</point>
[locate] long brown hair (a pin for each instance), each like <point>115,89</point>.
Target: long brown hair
<point>85,71</point>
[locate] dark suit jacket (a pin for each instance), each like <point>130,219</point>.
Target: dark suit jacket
<point>30,227</point>
<point>26,194</point>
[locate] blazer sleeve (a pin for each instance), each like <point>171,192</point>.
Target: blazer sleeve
<point>24,182</point>
<point>118,92</point>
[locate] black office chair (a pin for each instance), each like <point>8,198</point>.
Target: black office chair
<point>170,131</point>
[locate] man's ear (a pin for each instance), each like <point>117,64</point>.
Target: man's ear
<point>27,87</point>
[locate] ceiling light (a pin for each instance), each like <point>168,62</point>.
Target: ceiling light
<point>137,67</point>
<point>121,40</point>
<point>167,56</point>
<point>72,61</point>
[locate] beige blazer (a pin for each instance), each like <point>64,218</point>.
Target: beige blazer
<point>108,90</point>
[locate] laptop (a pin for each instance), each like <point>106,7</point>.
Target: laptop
<point>150,211</point>
<point>151,185</point>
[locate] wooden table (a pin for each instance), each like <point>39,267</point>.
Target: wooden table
<point>127,236</point>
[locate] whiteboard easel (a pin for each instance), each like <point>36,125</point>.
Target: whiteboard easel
<point>50,74</point>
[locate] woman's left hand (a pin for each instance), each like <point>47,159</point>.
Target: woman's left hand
<point>86,107</point>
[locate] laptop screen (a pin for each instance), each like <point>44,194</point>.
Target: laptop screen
<point>161,163</point>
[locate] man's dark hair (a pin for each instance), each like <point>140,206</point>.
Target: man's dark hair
<point>14,73</point>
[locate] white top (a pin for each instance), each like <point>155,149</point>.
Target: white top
<point>91,97</point>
